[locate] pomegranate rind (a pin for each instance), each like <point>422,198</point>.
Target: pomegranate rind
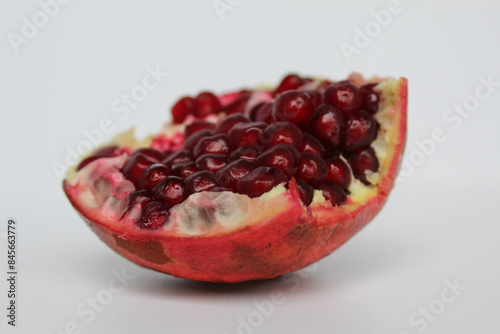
<point>288,236</point>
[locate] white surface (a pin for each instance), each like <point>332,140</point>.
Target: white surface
<point>439,225</point>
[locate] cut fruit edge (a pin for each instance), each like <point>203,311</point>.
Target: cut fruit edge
<point>263,238</point>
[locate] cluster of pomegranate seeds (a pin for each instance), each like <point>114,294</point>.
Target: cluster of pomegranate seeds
<point>206,103</point>
<point>320,137</point>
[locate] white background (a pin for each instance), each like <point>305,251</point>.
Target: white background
<point>440,224</point>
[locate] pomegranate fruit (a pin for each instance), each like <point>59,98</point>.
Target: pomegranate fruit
<point>290,175</point>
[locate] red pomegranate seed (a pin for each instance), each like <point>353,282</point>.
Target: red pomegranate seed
<point>182,108</point>
<point>197,126</point>
<point>213,144</point>
<point>170,190</point>
<point>107,152</point>
<point>338,172</point>
<point>306,191</point>
<point>238,106</point>
<point>206,103</point>
<point>263,112</point>
<point>179,156</point>
<point>281,133</point>
<point>333,192</point>
<point>344,96</point>
<point>211,161</point>
<point>152,175</point>
<point>260,181</point>
<point>359,131</point>
<point>361,161</point>
<point>247,134</point>
<point>281,156</point>
<point>254,109</point>
<point>229,175</point>
<point>312,168</point>
<point>229,122</point>
<point>140,197</point>
<point>311,144</point>
<point>326,124</point>
<point>370,98</point>
<point>246,152</point>
<point>151,153</point>
<point>154,215</point>
<point>183,169</point>
<point>191,142</point>
<point>293,106</point>
<point>135,165</point>
<point>200,181</point>
<point>316,97</point>
<point>291,81</point>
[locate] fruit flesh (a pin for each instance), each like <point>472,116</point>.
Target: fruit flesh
<point>266,237</point>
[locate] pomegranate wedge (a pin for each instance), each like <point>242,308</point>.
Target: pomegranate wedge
<point>251,184</point>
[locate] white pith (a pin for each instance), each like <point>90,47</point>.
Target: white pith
<point>103,187</point>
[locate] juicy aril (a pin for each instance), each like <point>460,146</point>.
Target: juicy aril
<point>251,184</point>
